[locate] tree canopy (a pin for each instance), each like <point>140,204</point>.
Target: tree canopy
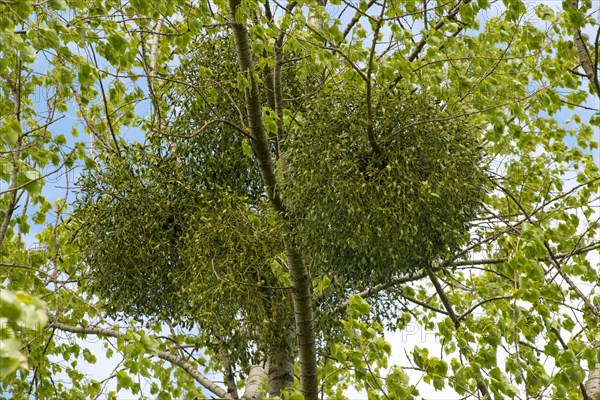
<point>264,190</point>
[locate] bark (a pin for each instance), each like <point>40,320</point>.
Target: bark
<point>260,144</point>
<point>154,59</point>
<point>256,378</point>
<point>278,94</point>
<point>592,386</point>
<point>305,331</point>
<point>229,377</point>
<point>587,62</point>
<point>281,365</point>
<point>369,83</point>
<point>313,21</point>
<point>163,355</point>
<point>270,92</point>
<point>301,283</point>
<point>12,196</point>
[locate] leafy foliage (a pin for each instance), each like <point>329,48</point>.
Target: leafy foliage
<point>367,215</point>
<point>511,295</point>
<point>204,236</point>
<point>18,311</point>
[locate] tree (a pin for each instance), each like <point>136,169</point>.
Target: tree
<point>242,154</point>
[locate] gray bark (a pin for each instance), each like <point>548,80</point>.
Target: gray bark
<point>229,377</point>
<point>588,63</point>
<point>313,21</point>
<point>301,283</point>
<point>281,364</point>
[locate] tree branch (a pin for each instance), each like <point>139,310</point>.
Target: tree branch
<point>452,13</point>
<point>553,259</point>
<point>16,155</point>
<point>260,144</point>
<point>370,123</point>
<point>440,291</point>
<point>229,376</point>
<point>173,359</point>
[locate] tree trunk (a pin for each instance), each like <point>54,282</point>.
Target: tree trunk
<point>301,282</point>
<point>592,387</point>
<point>281,364</point>
<point>305,330</point>
<point>314,21</point>
<point>256,378</point>
<point>229,377</point>
<point>588,64</point>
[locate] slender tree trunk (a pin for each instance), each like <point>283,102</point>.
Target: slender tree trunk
<point>305,330</point>
<point>281,364</point>
<point>256,378</point>
<point>301,282</point>
<point>592,386</point>
<point>229,377</point>
<point>314,21</point>
<point>588,62</point>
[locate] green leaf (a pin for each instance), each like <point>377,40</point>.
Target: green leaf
<point>124,381</point>
<point>10,357</point>
<point>247,149</point>
<point>17,310</point>
<point>358,306</point>
<point>291,394</point>
<point>10,132</point>
<point>31,180</point>
<point>27,54</point>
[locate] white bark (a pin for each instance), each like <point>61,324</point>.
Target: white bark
<point>592,387</point>
<point>256,378</point>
